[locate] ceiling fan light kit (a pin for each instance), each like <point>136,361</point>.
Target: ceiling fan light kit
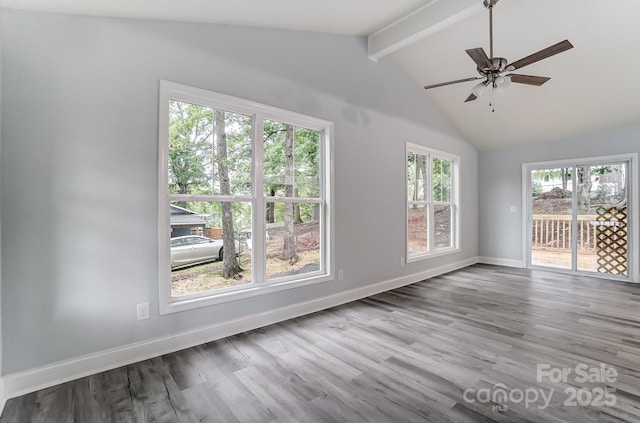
<point>495,72</point>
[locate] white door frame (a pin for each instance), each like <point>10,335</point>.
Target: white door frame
<point>633,198</point>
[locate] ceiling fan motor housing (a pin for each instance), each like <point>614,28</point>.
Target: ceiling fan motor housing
<point>498,64</point>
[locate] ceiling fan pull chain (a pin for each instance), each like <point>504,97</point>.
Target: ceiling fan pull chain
<point>492,102</point>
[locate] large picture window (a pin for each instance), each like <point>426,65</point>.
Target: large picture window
<point>244,201</point>
<point>432,202</point>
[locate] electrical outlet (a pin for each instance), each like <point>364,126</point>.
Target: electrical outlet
<point>143,311</point>
<point>340,274</point>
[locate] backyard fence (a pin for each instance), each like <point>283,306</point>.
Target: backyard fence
<point>213,233</point>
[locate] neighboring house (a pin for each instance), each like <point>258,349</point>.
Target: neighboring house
<point>185,222</point>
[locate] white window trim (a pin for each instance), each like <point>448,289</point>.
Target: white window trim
<point>455,203</point>
<point>259,112</point>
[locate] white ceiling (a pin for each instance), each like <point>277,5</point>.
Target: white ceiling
<point>354,17</point>
<point>594,86</point>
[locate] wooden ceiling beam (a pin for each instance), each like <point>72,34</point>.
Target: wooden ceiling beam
<point>429,19</point>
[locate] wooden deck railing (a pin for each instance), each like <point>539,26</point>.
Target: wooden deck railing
<point>551,232</point>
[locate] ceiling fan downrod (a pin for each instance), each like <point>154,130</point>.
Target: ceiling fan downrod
<point>489,5</point>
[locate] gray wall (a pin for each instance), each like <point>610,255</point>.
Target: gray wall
<point>500,183</point>
<point>79,165</point>
<point>1,383</point>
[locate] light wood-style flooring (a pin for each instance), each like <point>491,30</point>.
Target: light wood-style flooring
<point>408,355</point>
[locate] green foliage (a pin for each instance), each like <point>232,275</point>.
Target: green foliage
<point>306,212</point>
<point>274,142</point>
<point>441,179</point>
<point>239,152</point>
<point>193,162</point>
<point>545,175</point>
<point>190,148</point>
<point>306,160</point>
<point>536,189</point>
<point>307,166</point>
<point>601,170</point>
<point>411,176</point>
<point>417,178</point>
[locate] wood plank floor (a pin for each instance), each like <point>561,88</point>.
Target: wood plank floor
<point>429,352</point>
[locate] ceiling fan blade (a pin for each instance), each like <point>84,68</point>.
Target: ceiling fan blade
<point>528,79</point>
<point>542,54</point>
<point>471,98</point>
<point>457,81</point>
<point>480,57</point>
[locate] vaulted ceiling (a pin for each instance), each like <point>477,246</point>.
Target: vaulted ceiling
<point>593,86</point>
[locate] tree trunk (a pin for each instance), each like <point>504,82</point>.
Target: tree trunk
<point>289,247</point>
<point>182,189</point>
<point>315,211</point>
<point>297,219</point>
<point>230,266</point>
<point>271,214</point>
<point>425,181</point>
<point>584,191</point>
<point>416,180</point>
<point>565,178</point>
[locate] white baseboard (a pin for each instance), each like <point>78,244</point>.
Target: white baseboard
<point>502,262</point>
<point>3,400</point>
<point>21,383</point>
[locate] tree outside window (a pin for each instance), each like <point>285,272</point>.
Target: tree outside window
<point>432,211</point>
<point>213,190</point>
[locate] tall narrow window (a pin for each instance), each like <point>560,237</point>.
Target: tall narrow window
<point>432,202</point>
<point>244,198</point>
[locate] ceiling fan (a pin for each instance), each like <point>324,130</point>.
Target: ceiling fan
<point>495,72</point>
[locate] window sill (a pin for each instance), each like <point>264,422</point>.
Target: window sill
<point>178,305</point>
<point>418,257</point>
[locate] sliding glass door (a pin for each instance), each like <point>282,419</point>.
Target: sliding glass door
<point>579,217</point>
<point>551,210</point>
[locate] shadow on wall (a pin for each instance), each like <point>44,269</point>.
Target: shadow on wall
<point>335,65</point>
<point>286,95</point>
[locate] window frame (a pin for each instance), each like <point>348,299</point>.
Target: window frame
<point>429,204</point>
<point>171,91</point>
